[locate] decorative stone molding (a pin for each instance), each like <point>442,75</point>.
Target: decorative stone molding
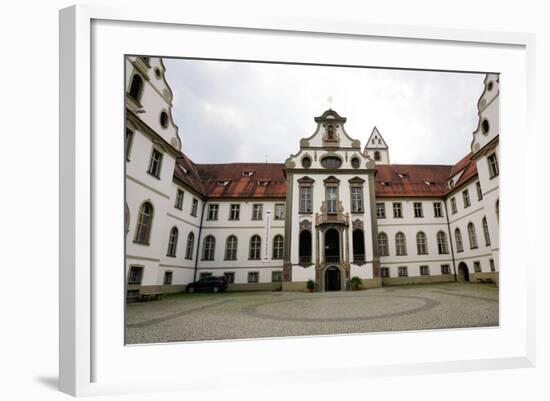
<point>357,224</point>
<point>305,225</point>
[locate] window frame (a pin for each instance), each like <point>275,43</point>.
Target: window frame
<point>139,225</point>
<point>458,240</point>
<point>274,273</point>
<point>257,212</point>
<point>466,198</point>
<point>383,249</point>
<point>442,244</point>
<point>380,206</point>
<point>417,207</point>
<point>141,271</point>
<point>179,199</point>
<point>397,207</point>
<point>421,243</point>
<point>472,236</point>
<point>278,251</point>
<point>211,249</point>
<point>167,273</point>
<point>402,271</point>
<point>234,210</point>
<point>172,242</point>
<point>155,166</point>
<point>400,250</point>
<point>231,253</point>
<point>189,245</point>
<point>215,209</point>
<point>492,160</point>
<point>424,268</point>
<point>279,206</point>
<point>252,274</point>
<point>454,209</point>
<point>438,209</point>
<point>255,247</point>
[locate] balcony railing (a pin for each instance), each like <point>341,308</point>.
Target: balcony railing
<point>359,258</point>
<point>332,259</point>
<point>338,218</point>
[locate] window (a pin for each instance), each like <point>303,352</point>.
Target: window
<point>257,211</point>
<point>355,162</point>
<point>492,265</point>
<point>424,270</point>
<point>486,232</point>
<point>458,239</point>
<point>167,278</point>
<point>253,277</point>
<point>331,162</point>
<point>402,271</point>
<point>276,276</point>
<point>203,276</point>
<point>136,87</point>
<point>421,245</point>
<point>485,127</point>
<point>155,163</point>
<point>209,248</point>
<point>179,200</point>
<point>466,198</point>
<point>144,222</point>
<point>189,246</point>
<point>493,165</point>
<point>472,236</point>
<point>164,119</point>
<point>304,248</point>
<point>128,143</point>
<point>383,245</point>
<point>377,155</point>
<point>194,207</point>
<point>445,269</point>
<point>278,247</point>
<point>477,267</point>
<point>305,200</point>
<point>332,199</point>
<point>479,193</point>
<point>279,211</point>
<point>385,271</point>
<point>442,243</point>
<point>397,212</point>
<point>136,275</point>
<point>438,212</point>
<point>357,199</point>
<point>306,162</point>
<point>418,209</point>
<point>234,211</point>
<point>330,132</point>
<point>453,205</point>
<point>255,247</point>
<point>172,242</point>
<point>231,248</point>
<point>400,244</point>
<point>229,277</point>
<point>381,210</point>
<point>212,211</point>
<point>358,243</point>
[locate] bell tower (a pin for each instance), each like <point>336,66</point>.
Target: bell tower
<point>377,148</point>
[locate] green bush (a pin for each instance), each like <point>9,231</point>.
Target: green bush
<point>356,282</point>
<point>310,285</point>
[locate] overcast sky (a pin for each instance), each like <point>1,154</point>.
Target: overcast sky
<point>255,112</point>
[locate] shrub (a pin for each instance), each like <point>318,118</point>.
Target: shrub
<point>356,283</point>
<point>310,285</point>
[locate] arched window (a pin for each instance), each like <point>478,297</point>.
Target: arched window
<point>358,240</point>
<point>208,248</point>
<point>458,239</point>
<point>400,244</point>
<point>231,248</point>
<point>472,236</point>
<point>383,249</point>
<point>278,247</point>
<point>189,246</point>
<point>255,247</point>
<point>305,247</point>
<point>486,232</point>
<point>442,243</point>
<point>172,242</point>
<point>144,223</point>
<point>136,87</point>
<point>330,132</point>
<point>377,155</point>
<point>421,243</point>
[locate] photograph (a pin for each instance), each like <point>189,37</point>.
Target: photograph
<point>270,199</point>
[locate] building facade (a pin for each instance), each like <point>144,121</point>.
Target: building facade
<point>330,212</point>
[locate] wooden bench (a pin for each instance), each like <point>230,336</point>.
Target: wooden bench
<point>485,280</point>
<point>150,296</point>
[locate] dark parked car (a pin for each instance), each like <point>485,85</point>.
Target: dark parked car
<point>210,283</point>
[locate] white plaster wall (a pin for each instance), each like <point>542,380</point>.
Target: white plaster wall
<point>300,273</point>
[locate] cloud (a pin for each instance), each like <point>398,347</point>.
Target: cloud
<point>253,112</point>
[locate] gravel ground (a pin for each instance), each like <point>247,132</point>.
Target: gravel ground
<point>231,315</point>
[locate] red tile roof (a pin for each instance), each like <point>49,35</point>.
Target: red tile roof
<point>268,181</point>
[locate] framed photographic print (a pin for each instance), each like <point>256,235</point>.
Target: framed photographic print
<point>297,196</point>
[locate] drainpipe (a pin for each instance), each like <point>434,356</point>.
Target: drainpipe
<point>450,239</point>
<point>197,254</point>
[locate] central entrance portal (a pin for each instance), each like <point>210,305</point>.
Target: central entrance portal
<point>332,279</point>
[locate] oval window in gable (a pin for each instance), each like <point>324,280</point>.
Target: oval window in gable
<point>331,162</point>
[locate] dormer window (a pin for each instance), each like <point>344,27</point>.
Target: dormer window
<point>224,183</point>
<point>377,156</point>
<point>262,183</point>
<point>403,175</point>
<point>386,183</point>
<point>247,173</point>
<point>451,184</point>
<point>429,183</point>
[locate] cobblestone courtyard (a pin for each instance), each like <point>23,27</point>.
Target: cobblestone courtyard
<point>231,315</point>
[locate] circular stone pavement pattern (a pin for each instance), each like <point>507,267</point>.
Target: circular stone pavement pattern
<point>233,315</point>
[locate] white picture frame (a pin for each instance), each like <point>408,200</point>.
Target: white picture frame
<point>91,349</point>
